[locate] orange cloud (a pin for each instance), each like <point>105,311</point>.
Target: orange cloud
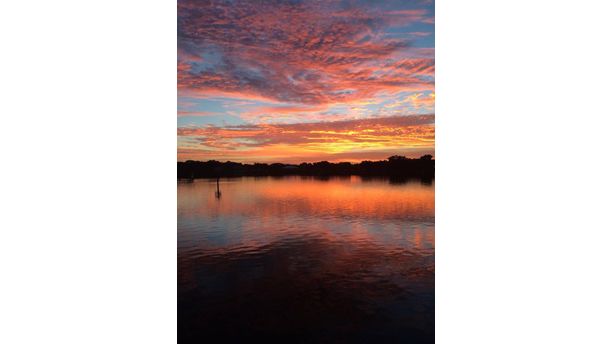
<point>346,140</point>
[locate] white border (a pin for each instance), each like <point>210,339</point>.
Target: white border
<point>523,172</point>
<point>88,121</point>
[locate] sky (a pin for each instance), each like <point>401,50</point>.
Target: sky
<point>305,81</point>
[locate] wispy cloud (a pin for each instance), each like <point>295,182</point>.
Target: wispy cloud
<point>301,52</point>
<point>181,113</point>
<point>323,78</point>
<point>319,137</point>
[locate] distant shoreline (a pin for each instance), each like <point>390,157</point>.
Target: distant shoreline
<point>395,167</point>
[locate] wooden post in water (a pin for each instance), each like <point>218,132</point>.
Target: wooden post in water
<point>218,192</point>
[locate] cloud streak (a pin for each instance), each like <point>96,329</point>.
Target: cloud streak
<point>306,139</point>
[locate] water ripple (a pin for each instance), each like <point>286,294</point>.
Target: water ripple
<point>335,260</point>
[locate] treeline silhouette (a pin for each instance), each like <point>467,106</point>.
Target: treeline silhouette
<point>394,166</point>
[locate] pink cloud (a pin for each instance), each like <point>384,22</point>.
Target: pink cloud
<point>295,52</point>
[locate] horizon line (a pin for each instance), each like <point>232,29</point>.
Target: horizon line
<point>305,162</point>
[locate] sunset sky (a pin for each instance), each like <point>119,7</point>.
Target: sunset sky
<point>294,81</point>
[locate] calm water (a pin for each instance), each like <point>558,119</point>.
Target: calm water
<point>299,259</point>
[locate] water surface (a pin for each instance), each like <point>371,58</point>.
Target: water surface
<point>301,259</point>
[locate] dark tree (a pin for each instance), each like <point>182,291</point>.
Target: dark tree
<point>396,166</point>
<point>397,158</point>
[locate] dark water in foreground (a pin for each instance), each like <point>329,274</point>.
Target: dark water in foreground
<point>301,260</point>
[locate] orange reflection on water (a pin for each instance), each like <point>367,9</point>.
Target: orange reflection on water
<point>347,248</point>
<point>252,212</point>
<point>353,197</point>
